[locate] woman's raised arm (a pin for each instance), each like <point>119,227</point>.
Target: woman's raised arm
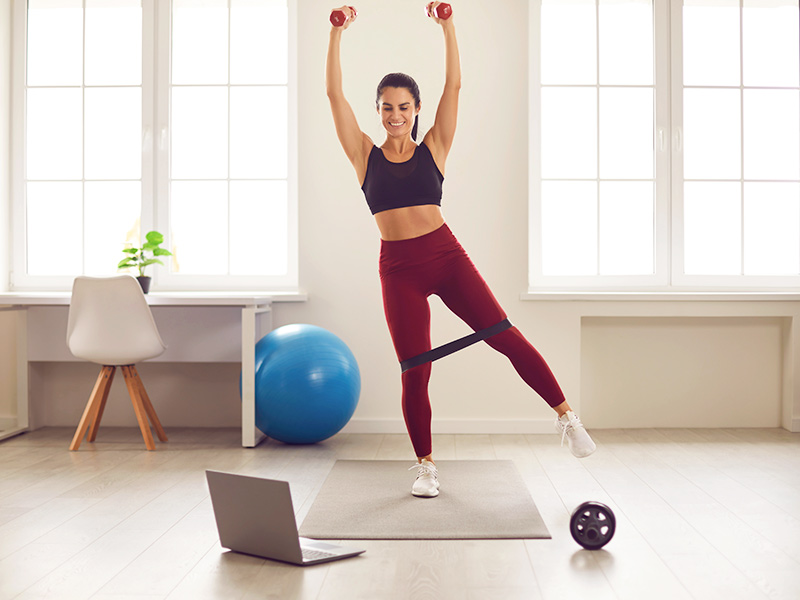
<point>440,137</point>
<point>355,142</point>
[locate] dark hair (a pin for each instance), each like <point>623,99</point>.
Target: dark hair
<point>401,80</point>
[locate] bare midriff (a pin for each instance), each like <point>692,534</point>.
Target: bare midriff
<point>409,222</point>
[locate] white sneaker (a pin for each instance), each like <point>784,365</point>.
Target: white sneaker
<point>571,428</point>
<point>427,483</point>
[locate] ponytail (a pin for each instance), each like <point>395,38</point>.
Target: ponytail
<point>416,127</point>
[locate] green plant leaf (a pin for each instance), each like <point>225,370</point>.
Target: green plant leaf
<point>150,261</point>
<point>130,250</point>
<point>125,263</point>
<point>161,252</point>
<point>149,247</point>
<point>154,237</point>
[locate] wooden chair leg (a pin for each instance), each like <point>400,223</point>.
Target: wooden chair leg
<point>92,406</point>
<point>138,407</point>
<point>92,435</point>
<point>148,406</point>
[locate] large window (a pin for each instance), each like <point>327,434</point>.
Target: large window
<point>139,115</point>
<point>665,144</point>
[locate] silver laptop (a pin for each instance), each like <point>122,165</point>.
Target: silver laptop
<point>255,516</point>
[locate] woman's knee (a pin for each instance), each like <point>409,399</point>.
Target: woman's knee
<point>417,377</point>
<point>508,341</point>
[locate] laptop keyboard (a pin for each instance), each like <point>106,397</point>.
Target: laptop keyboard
<point>309,554</point>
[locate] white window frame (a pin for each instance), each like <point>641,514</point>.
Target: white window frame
<point>668,133</point>
<point>156,17</point>
<point>679,278</point>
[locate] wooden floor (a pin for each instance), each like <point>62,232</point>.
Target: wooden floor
<point>712,513</point>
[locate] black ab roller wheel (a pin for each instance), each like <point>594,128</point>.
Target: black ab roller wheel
<point>592,525</point>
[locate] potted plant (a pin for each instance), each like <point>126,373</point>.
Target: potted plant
<point>138,257</point>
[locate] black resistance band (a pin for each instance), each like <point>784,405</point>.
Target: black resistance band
<point>460,344</point>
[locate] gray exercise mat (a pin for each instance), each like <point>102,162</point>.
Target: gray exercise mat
<point>371,500</point>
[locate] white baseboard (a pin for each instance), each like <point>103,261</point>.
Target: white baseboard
<point>9,427</point>
<point>455,426</point>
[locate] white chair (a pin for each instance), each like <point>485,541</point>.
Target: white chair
<point>111,324</point>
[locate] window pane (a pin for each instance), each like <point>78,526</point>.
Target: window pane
<point>113,133</point>
<point>771,229</point>
<point>712,229</point>
<point>712,134</point>
<point>626,133</point>
<point>259,225</point>
<point>111,212</point>
<point>569,133</point>
<point>772,134</point>
<point>54,134</point>
<point>199,41</point>
<point>113,42</point>
<point>259,41</point>
<point>569,228</point>
<point>259,132</point>
<point>569,42</point>
<point>199,227</point>
<point>199,132</point>
<point>55,42</point>
<point>627,228</point>
<point>770,43</point>
<point>711,42</point>
<point>53,218</point>
<point>626,42</point>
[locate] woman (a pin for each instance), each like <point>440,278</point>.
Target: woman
<point>402,182</point>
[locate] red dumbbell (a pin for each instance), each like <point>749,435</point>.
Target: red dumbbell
<point>443,11</point>
<point>339,17</point>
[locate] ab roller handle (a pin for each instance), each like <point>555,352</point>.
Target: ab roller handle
<point>441,11</point>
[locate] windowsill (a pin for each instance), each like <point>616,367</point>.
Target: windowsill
<point>597,296</point>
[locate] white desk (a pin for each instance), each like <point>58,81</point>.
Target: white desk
<point>252,310</point>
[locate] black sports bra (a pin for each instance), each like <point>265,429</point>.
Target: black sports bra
<point>414,182</point>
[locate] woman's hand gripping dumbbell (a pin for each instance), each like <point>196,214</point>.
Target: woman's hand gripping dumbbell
<point>439,10</point>
<point>343,17</point>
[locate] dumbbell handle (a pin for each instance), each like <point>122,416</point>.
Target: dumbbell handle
<point>443,11</point>
<point>339,17</point>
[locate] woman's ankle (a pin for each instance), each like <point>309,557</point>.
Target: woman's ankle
<point>562,409</point>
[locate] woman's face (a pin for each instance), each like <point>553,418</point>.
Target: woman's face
<point>397,111</point>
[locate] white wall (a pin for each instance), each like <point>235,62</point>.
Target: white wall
<point>5,139</point>
<point>485,203</point>
<point>7,320</point>
<point>681,372</point>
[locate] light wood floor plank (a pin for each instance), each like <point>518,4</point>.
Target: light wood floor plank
<point>426,569</point>
<point>220,574</point>
<point>762,503</point>
<point>169,559</point>
<point>396,447</point>
<point>475,447</point>
<point>701,514</point>
<point>742,547</point>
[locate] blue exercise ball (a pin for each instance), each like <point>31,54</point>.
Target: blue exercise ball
<point>307,384</point>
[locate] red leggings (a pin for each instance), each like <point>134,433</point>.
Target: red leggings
<point>435,263</point>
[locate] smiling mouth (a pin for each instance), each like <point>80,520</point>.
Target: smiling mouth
<point>397,124</point>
